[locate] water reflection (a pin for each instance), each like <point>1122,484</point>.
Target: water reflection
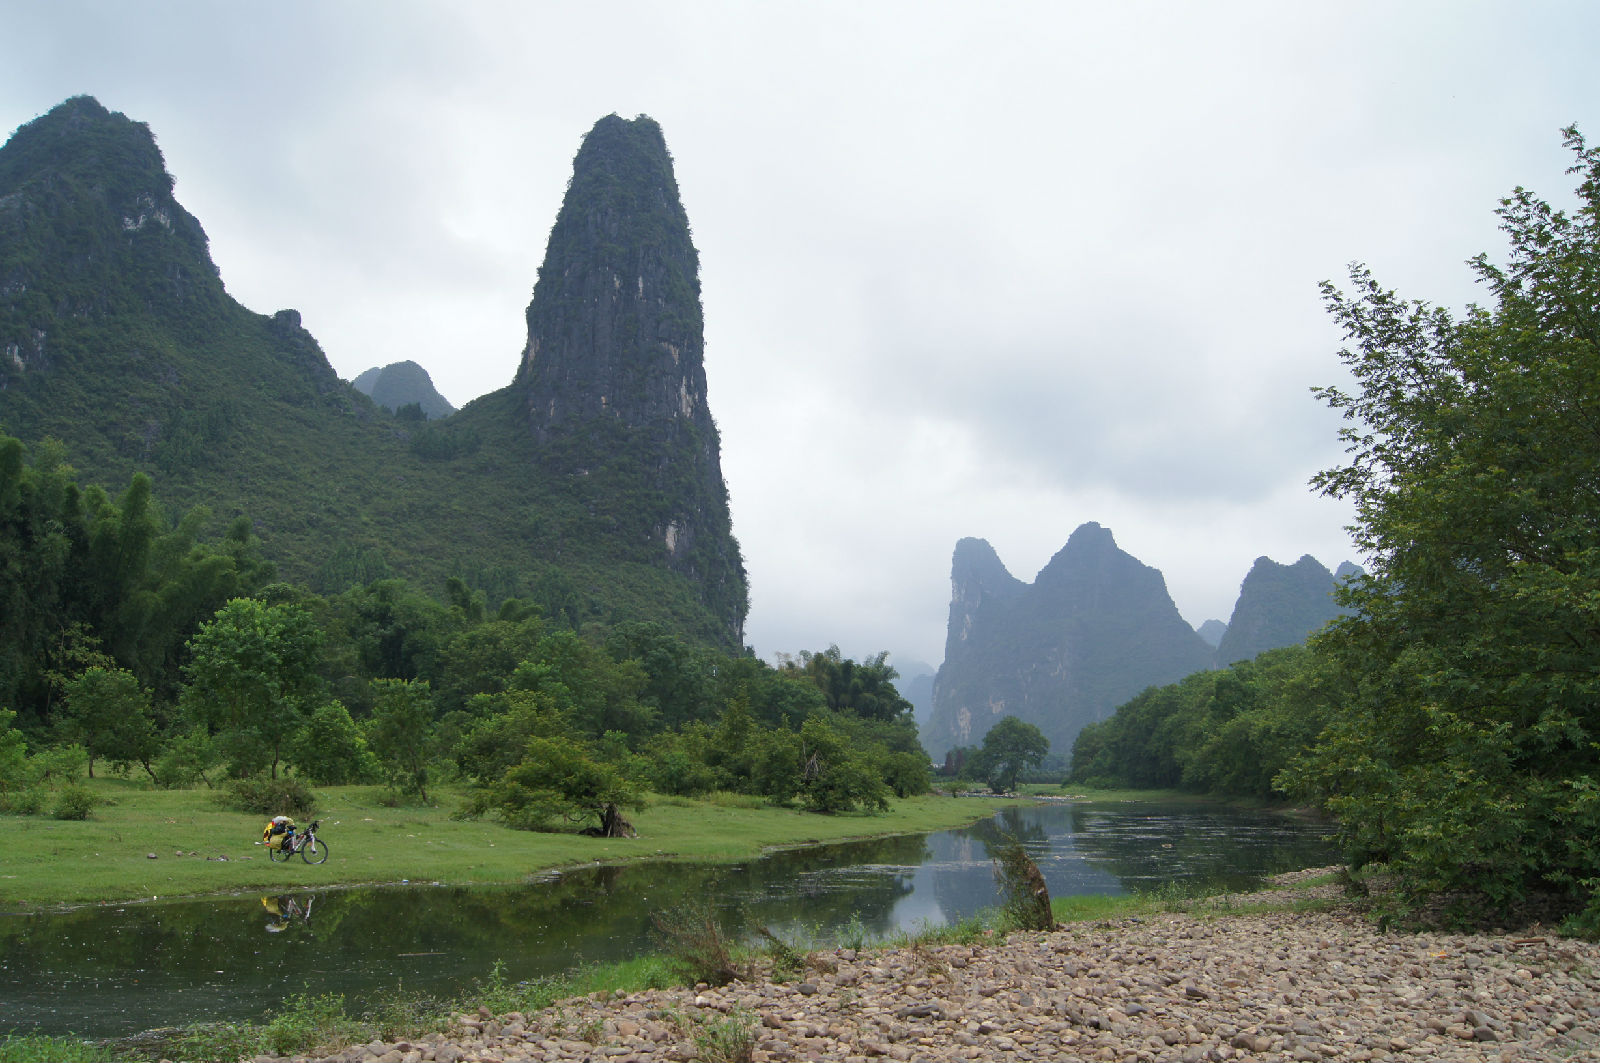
<point>107,971</point>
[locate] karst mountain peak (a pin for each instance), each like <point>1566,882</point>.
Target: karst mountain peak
<point>589,486</point>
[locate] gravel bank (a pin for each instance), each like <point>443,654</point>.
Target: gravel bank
<point>1232,986</point>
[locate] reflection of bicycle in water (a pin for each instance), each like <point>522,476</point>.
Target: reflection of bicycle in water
<point>281,911</point>
<point>311,849</point>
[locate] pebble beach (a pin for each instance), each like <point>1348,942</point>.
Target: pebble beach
<point>1225,984</point>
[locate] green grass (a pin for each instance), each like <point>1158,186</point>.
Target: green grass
<point>201,848</point>
<point>33,1048</point>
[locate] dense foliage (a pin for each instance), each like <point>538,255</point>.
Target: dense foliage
<point>133,642</point>
<point>1227,732</point>
<point>1467,756</point>
<point>87,580</point>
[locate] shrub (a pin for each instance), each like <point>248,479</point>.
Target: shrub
<point>309,1022</point>
<point>59,763</point>
<point>1026,904</point>
<point>730,1039</point>
<point>74,802</point>
<point>186,761</point>
<point>29,802</point>
<point>697,951</point>
<point>270,797</point>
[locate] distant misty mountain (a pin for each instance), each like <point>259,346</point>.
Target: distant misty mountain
<point>402,384</point>
<point>1212,631</point>
<point>1279,605</point>
<point>1095,628</point>
<point>916,686</point>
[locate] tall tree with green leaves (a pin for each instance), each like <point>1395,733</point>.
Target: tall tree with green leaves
<point>1010,747</point>
<point>1468,756</point>
<point>108,713</point>
<point>400,732</point>
<point>253,680</point>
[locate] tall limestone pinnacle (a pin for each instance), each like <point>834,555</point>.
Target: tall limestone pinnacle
<point>613,376</point>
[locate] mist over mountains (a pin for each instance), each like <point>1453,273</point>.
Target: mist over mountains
<point>1094,628</point>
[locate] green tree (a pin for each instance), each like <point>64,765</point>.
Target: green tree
<point>1467,755</point>
<point>253,680</point>
<point>401,732</point>
<point>108,713</point>
<point>865,688</point>
<point>906,773</point>
<point>834,776</point>
<point>330,749</point>
<point>679,684</point>
<point>560,778</point>
<point>482,658</point>
<point>1009,748</point>
<point>13,756</point>
<point>595,693</point>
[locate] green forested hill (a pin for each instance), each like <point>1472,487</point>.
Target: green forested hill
<point>118,338</point>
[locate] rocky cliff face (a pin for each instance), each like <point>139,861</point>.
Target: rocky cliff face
<point>87,215</point>
<point>613,377</point>
<point>1094,628</point>
<point>402,384</point>
<point>1279,605</point>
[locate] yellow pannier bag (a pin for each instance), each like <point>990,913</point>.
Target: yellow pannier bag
<point>273,834</point>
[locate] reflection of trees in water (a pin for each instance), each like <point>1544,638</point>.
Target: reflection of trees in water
<point>1007,826</point>
<point>823,889</point>
<point>205,935</point>
<point>1146,844</point>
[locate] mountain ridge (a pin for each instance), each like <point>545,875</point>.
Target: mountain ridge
<point>1095,628</point>
<point>118,338</point>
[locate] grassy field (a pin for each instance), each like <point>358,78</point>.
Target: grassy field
<point>199,847</point>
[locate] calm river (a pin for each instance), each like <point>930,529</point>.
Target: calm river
<point>107,971</point>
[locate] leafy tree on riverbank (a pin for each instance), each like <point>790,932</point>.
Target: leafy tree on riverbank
<point>401,733</point>
<point>1466,757</point>
<point>1010,747</point>
<point>1227,732</point>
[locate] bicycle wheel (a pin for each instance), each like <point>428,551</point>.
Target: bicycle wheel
<point>278,854</point>
<point>314,851</point>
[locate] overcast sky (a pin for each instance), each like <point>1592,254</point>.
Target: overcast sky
<point>979,269</point>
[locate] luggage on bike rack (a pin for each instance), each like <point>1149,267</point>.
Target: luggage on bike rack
<point>277,831</point>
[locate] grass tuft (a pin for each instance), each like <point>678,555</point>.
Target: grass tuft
<point>35,1048</point>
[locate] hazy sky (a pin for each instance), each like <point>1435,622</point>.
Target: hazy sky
<point>987,269</point>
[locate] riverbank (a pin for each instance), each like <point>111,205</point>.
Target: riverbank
<point>145,845</point>
<point>1233,978</point>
